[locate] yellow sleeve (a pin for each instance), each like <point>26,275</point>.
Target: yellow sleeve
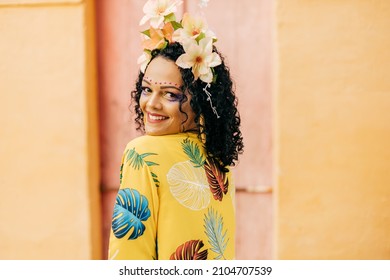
<point>134,221</point>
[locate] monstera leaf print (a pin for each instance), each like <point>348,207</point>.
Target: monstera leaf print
<point>131,209</point>
<point>218,181</point>
<point>213,224</point>
<point>190,251</point>
<point>189,185</point>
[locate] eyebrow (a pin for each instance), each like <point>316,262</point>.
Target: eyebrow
<point>165,87</point>
<point>146,81</point>
<point>162,87</point>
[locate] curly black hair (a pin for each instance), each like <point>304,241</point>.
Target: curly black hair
<point>223,138</point>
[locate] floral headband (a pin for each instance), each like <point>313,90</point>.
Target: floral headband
<point>192,33</point>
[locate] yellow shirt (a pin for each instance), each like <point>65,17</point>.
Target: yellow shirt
<point>173,203</point>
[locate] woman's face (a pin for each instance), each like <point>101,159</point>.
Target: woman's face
<point>160,99</point>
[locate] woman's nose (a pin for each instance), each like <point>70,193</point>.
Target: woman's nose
<point>154,101</point>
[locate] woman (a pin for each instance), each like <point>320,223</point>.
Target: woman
<point>176,197</point>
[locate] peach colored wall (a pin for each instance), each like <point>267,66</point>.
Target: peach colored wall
<point>117,37</point>
<point>333,130</point>
<point>244,34</point>
<point>49,174</point>
<point>244,30</point>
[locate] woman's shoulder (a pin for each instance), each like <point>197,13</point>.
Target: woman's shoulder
<point>141,141</point>
<point>148,143</point>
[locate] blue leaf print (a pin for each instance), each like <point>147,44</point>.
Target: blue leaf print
<point>213,224</point>
<point>130,210</point>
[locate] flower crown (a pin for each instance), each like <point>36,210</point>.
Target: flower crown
<point>191,32</point>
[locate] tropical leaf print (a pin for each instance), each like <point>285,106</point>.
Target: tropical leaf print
<point>192,150</point>
<point>189,185</point>
<point>190,250</point>
<point>131,209</point>
<point>121,174</point>
<point>137,160</point>
<point>218,181</point>
<point>213,224</point>
<point>155,179</point>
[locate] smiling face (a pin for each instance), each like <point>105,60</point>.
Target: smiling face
<point>160,100</point>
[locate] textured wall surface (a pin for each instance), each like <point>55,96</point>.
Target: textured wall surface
<point>49,178</point>
<point>333,130</point>
<point>246,41</point>
<point>322,128</point>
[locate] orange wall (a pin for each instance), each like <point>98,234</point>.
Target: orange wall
<point>49,174</point>
<point>332,130</point>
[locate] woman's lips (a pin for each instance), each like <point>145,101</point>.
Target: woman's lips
<point>154,118</point>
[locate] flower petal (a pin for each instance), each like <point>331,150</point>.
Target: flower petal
<point>195,71</point>
<point>193,26</point>
<point>155,41</point>
<point>207,45</point>
<point>149,7</point>
<point>156,21</point>
<point>177,35</point>
<point>208,77</point>
<point>186,21</point>
<point>168,31</point>
<point>210,34</point>
<point>172,7</point>
<point>190,46</point>
<point>183,61</point>
<point>144,19</point>
<point>203,68</point>
<point>143,60</point>
<point>215,60</point>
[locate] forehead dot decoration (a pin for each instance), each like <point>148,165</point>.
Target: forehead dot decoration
<point>161,83</point>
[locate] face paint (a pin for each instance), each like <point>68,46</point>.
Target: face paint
<point>161,82</point>
<point>160,100</point>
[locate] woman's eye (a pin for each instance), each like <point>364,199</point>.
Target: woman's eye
<point>146,90</point>
<point>173,96</point>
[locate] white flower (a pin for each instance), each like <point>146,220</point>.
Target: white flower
<point>200,57</point>
<point>156,10</point>
<point>192,28</point>
<point>143,60</point>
